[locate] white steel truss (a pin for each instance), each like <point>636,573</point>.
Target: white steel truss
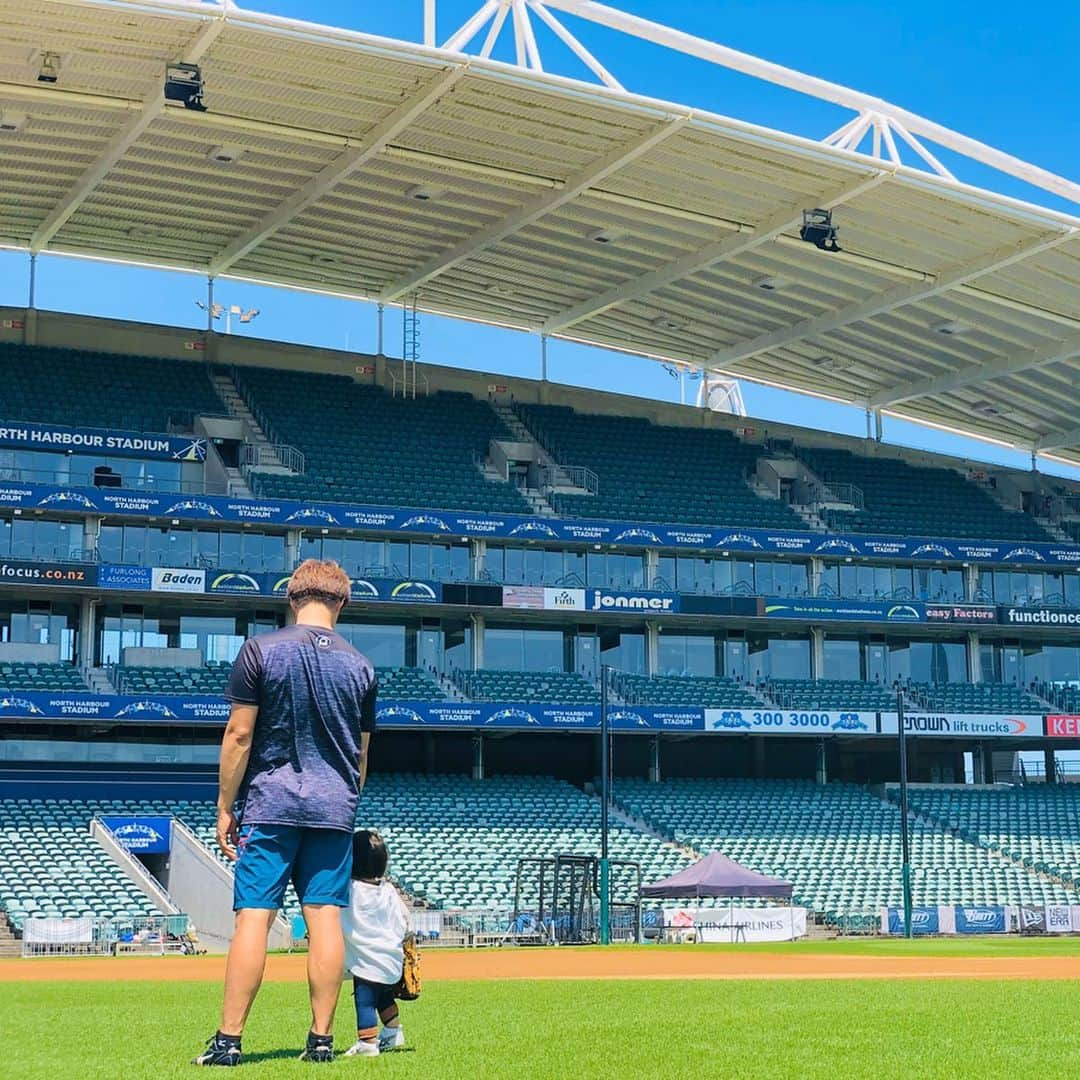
<point>899,296</point>
<point>875,117</point>
<point>535,208</point>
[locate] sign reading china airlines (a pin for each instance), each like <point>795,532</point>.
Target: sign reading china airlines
<point>965,725</point>
<point>100,441</point>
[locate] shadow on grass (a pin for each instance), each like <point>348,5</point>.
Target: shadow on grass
<point>270,1055</point>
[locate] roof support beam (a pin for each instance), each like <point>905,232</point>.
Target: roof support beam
<point>729,358</point>
<point>1058,440</point>
<point>535,208</point>
<point>979,373</point>
<point>122,141</point>
<point>717,252</point>
<point>354,159</point>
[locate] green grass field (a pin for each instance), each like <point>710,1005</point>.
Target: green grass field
<point>584,1029</point>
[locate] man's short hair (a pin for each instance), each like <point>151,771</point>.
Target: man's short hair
<point>318,581</point>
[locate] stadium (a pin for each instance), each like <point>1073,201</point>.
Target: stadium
<point>613,634</point>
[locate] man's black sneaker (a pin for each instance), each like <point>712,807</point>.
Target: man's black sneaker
<point>319,1049</point>
<point>220,1050</point>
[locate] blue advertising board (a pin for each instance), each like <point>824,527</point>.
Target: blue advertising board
<point>101,441</point>
<point>924,920</point>
<point>408,522</point>
<point>143,834</point>
<point>79,705</point>
<point>980,920</point>
<point>819,609</point>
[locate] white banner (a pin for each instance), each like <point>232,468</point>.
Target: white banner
<point>166,579</point>
<point>965,725</point>
<point>58,931</point>
<point>741,924</point>
<point>564,599</point>
<point>1059,919</point>
<point>791,722</point>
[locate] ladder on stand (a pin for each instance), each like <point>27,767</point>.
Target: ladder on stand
<point>410,347</point>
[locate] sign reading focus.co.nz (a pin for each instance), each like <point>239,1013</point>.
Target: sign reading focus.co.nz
<point>546,530</point>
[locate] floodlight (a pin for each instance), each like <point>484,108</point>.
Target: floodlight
<point>184,85</point>
<point>818,229</point>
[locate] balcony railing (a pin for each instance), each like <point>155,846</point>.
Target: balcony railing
<point>277,456</point>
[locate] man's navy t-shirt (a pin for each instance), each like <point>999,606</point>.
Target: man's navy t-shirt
<point>315,694</point>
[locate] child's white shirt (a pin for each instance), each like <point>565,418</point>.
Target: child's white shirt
<point>375,924</point>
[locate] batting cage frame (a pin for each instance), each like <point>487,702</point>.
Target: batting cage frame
<point>557,900</point>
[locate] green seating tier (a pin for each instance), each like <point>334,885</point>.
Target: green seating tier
<point>647,472</point>
<point>51,867</point>
<point>1039,825</point>
<point>689,690</point>
<point>838,844</point>
<point>210,679</point>
<point>363,445</point>
<point>80,388</point>
<point>47,677</point>
<point>911,500</point>
<point>977,698</point>
<point>407,684</point>
<point>831,694</point>
<point>541,687</point>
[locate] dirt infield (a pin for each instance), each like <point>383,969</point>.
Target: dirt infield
<point>568,963</point>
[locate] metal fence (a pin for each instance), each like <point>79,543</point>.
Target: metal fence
<point>153,935</point>
<point>461,929</point>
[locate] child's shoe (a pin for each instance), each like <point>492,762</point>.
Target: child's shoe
<point>391,1038</point>
<point>360,1048</point>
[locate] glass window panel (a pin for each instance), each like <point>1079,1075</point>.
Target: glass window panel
<point>843,659</point>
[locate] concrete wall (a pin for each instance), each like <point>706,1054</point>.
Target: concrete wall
<point>175,658</point>
<point>17,652</point>
<point>202,887</point>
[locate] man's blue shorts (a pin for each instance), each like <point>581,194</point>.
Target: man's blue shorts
<point>317,861</point>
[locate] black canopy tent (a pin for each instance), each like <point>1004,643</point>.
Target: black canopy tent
<point>718,876</point>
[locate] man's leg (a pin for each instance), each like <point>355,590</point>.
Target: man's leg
<point>321,875</point>
<point>325,963</point>
<point>244,968</point>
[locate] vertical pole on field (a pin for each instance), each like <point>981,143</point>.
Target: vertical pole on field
<point>543,357</point>
<point>379,331</point>
<point>605,798</point>
<point>905,840</point>
<point>209,304</point>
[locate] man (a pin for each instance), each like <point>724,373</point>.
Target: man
<point>293,764</point>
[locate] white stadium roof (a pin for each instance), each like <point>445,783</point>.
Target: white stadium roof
<point>397,172</point>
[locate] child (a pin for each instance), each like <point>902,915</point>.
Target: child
<point>375,925</point>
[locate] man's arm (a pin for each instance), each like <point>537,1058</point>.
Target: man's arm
<point>235,751</point>
<point>365,742</point>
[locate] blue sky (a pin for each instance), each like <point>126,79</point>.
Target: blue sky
<point>996,71</point>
